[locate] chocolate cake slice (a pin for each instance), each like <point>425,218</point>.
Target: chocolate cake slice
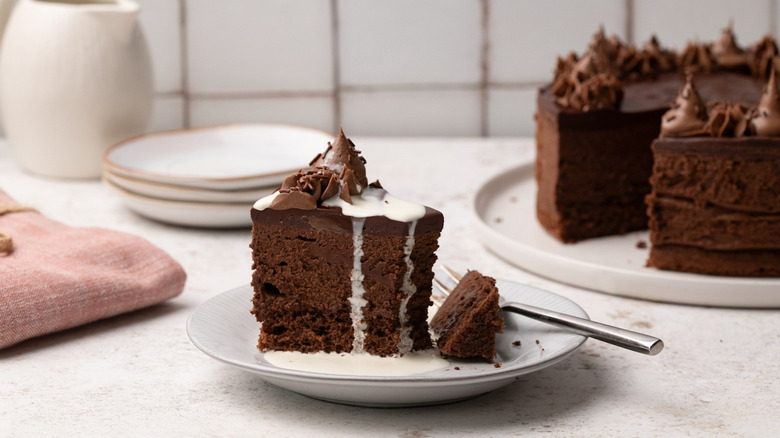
<point>715,201</point>
<point>339,264</point>
<point>468,321</point>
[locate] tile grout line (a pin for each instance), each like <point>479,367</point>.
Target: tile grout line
<point>485,70</point>
<point>355,88</point>
<point>629,21</point>
<point>184,60</point>
<point>336,59</point>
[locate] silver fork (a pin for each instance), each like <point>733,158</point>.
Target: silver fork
<point>627,339</point>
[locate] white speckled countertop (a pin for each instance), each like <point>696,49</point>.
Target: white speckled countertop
<point>139,375</point>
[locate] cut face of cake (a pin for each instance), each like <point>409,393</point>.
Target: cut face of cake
<point>468,321</point>
<point>597,119</point>
<point>715,201</point>
<point>339,264</point>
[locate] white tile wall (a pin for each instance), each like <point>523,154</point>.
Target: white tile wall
<point>412,113</point>
<point>409,42</point>
<point>402,67</point>
<point>160,20</point>
<point>249,46</point>
<point>314,111</point>
<point>676,22</point>
<point>510,111</point>
<point>526,36</point>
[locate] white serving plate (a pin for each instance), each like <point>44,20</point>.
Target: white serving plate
<point>505,221</point>
<point>188,214</point>
<point>230,157</point>
<point>179,193</point>
<point>223,328</point>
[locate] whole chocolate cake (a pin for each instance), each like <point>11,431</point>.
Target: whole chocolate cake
<point>468,321</point>
<point>715,201</point>
<point>597,120</point>
<point>339,264</point>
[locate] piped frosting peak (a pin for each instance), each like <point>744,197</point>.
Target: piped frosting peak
<point>766,118</point>
<point>687,116</point>
<point>726,52</point>
<point>595,80</point>
<point>339,171</point>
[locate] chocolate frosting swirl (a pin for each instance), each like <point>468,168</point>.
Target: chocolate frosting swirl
<point>649,62</point>
<point>727,120</point>
<point>696,58</point>
<point>590,83</point>
<point>762,57</point>
<point>339,171</point>
<point>766,118</point>
<point>726,53</point>
<point>687,116</point>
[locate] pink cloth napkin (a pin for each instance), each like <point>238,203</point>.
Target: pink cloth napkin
<point>58,277</point>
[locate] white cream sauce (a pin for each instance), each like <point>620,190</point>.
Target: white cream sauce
<point>377,202</point>
<point>417,362</point>
<point>408,288</point>
<point>357,302</point>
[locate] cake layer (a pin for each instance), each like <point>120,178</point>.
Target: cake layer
<point>735,173</point>
<point>745,263</point>
<point>304,287</point>
<point>681,221</point>
<point>582,167</point>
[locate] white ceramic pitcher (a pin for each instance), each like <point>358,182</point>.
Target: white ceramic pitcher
<point>75,78</point>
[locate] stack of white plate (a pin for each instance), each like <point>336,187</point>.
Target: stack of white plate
<point>208,177</point>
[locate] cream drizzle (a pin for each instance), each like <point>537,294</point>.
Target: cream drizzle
<point>357,302</point>
<point>418,362</point>
<point>408,288</point>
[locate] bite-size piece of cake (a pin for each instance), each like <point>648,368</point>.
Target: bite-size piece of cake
<point>469,319</point>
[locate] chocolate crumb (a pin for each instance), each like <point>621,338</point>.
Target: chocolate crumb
<point>537,342</point>
<point>496,365</point>
<point>516,343</point>
<point>457,368</point>
<point>641,244</point>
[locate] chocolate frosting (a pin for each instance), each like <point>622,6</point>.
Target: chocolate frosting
<point>649,62</point>
<point>725,51</point>
<point>696,58</point>
<point>339,171</point>
<point>590,83</point>
<point>687,116</point>
<point>762,56</point>
<point>727,120</point>
<point>342,153</point>
<point>766,118</point>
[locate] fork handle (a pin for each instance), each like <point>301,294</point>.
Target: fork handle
<point>628,339</point>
